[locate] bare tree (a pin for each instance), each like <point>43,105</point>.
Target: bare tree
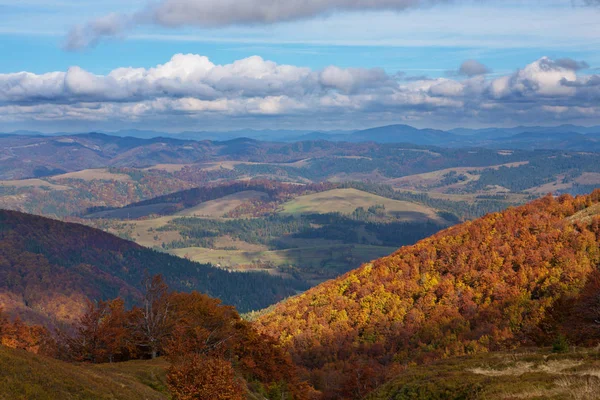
<point>155,322</point>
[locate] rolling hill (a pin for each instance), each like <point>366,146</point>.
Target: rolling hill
<point>347,200</point>
<point>64,176</point>
<point>311,232</point>
<point>524,276</point>
<point>49,268</point>
<point>28,376</point>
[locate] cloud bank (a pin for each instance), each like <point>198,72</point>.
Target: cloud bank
<point>221,13</point>
<point>192,88</point>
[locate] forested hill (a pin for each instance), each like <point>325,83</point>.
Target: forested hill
<point>524,276</point>
<point>49,268</point>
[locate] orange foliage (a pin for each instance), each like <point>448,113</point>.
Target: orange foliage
<point>203,329</point>
<point>198,377</point>
<point>18,335</point>
<point>479,286</point>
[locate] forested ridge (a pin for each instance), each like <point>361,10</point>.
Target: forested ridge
<point>524,276</point>
<point>49,268</point>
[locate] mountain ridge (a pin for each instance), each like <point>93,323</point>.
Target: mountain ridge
<point>49,268</point>
<point>512,278</point>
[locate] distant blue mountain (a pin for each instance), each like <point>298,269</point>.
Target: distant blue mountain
<point>563,137</point>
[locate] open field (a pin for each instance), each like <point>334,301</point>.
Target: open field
<point>524,374</point>
<point>230,165</point>
<point>434,181</point>
<point>217,208</point>
<point>33,183</point>
<point>25,376</point>
<point>347,200</point>
<point>102,174</point>
<point>324,257</point>
<point>168,167</point>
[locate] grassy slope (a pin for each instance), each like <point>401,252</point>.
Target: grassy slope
<point>217,208</point>
<point>535,374</point>
<point>335,256</point>
<point>347,200</point>
<point>27,376</point>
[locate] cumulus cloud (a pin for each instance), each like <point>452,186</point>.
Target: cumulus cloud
<point>191,86</point>
<point>220,13</point>
<point>472,68</point>
<point>571,64</point>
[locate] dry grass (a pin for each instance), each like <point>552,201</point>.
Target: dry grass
<point>536,374</point>
<point>520,368</point>
<point>579,388</point>
<point>93,174</point>
<point>33,183</point>
<point>433,179</point>
<point>219,207</point>
<point>589,178</point>
<point>347,200</point>
<point>585,215</point>
<point>25,376</point>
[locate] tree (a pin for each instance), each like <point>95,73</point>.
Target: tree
<point>104,333</point>
<point>198,377</point>
<point>154,324</point>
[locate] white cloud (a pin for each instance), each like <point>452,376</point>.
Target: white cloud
<point>192,87</point>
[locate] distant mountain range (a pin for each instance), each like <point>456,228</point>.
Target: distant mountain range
<point>563,137</point>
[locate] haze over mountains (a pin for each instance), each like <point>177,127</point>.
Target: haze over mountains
<point>565,137</point>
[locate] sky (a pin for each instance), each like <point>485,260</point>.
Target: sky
<point>175,65</point>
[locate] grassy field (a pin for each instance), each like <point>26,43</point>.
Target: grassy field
<point>432,181</point>
<point>25,376</point>
<point>535,374</point>
<point>33,183</point>
<point>318,262</point>
<point>93,174</point>
<point>219,207</point>
<point>347,200</point>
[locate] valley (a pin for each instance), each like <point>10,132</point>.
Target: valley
<point>376,271</point>
<point>308,233</point>
<point>299,200</point>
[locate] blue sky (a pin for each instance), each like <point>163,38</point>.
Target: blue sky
<point>333,49</point>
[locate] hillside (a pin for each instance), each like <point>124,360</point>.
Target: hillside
<point>523,374</point>
<point>311,232</point>
<point>507,279</point>
<point>25,376</point>
<point>346,201</point>
<point>48,268</point>
<point>68,175</point>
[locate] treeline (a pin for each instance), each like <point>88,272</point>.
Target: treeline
<point>252,230</point>
<point>527,276</point>
<point>213,353</point>
<point>360,227</point>
<point>355,230</point>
